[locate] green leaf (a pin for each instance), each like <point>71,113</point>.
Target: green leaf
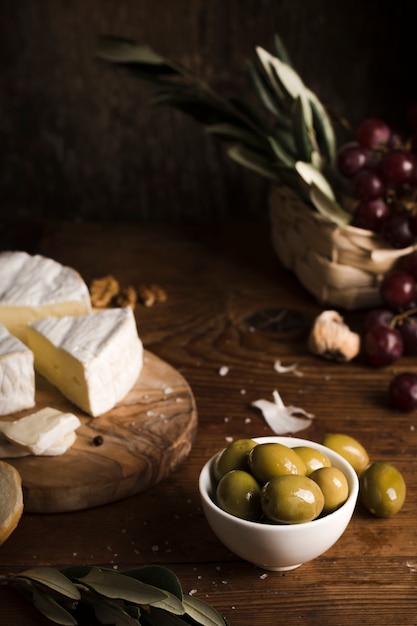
<point>110,613</point>
<point>197,107</point>
<point>202,612</point>
<point>125,51</point>
<point>53,579</point>
<point>51,609</point>
<point>161,578</point>
<point>159,617</point>
<point>324,128</point>
<point>281,153</point>
<point>302,129</point>
<point>254,119</point>
<point>230,132</point>
<point>157,576</point>
<point>281,50</point>
<point>328,207</point>
<point>115,585</point>
<point>253,161</point>
<point>286,75</point>
<point>311,175</point>
<point>267,96</point>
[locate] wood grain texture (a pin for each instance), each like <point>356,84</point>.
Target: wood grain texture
<point>79,139</point>
<point>220,280</point>
<point>145,437</point>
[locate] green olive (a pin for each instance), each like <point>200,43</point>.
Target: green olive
<point>313,459</point>
<point>234,456</point>
<point>334,486</point>
<point>349,448</point>
<point>274,459</point>
<point>239,494</point>
<point>382,489</point>
<point>292,499</point>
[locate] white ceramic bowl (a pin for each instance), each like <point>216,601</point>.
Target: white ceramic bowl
<point>279,547</point>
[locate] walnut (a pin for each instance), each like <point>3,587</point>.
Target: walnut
<point>127,296</point>
<point>103,290</point>
<point>150,294</point>
<point>332,339</point>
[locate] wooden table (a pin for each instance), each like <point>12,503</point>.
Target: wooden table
<point>220,280</point>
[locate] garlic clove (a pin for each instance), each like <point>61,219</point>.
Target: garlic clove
<point>332,339</point>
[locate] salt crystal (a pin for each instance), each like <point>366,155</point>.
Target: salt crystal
<point>224,370</point>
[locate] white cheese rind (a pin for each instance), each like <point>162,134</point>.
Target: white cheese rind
<point>94,360</point>
<point>17,374</point>
<point>34,286</point>
<point>41,431</point>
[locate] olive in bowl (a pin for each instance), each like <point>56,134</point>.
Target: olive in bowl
<point>274,544</point>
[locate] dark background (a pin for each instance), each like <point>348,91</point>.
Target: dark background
<point>79,141</point>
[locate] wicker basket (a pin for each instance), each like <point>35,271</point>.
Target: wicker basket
<point>342,266</point>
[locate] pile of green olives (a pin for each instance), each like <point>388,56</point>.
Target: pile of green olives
<point>273,483</point>
<point>382,488</point>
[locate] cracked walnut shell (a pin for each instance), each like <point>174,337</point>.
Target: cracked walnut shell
<point>332,339</point>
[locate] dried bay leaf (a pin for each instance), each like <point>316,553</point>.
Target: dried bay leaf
<point>115,585</point>
<point>53,579</point>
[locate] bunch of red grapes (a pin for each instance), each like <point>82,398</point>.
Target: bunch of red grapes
<point>380,166</point>
<point>390,331</point>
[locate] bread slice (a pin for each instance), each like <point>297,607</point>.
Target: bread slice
<point>11,500</point>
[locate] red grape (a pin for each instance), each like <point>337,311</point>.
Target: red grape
<point>398,290</point>
<point>403,391</point>
<point>371,214</point>
<point>408,330</point>
<point>372,133</point>
<point>397,168</point>
<point>377,317</point>
<point>398,229</point>
<point>367,185</point>
<point>352,158</point>
<point>382,346</point>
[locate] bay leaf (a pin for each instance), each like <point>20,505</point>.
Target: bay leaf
<point>115,585</point>
<point>201,612</point>
<point>53,579</point>
<point>51,609</point>
<point>110,613</point>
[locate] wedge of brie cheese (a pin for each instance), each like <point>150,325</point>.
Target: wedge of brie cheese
<point>94,360</point>
<point>17,374</point>
<point>34,286</point>
<point>46,432</point>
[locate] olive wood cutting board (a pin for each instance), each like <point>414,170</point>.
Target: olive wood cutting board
<point>144,438</point>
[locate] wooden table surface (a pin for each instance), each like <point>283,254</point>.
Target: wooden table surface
<point>220,281</point>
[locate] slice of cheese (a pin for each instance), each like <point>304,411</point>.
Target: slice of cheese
<point>10,449</point>
<point>34,286</point>
<point>41,432</point>
<point>94,360</point>
<point>17,374</point>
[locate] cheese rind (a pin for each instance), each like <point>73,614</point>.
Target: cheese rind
<point>34,286</point>
<point>94,360</point>
<point>41,431</point>
<point>17,374</point>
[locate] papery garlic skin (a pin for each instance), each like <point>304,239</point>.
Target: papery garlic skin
<point>332,339</point>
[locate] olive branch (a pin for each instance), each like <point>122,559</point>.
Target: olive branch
<point>149,596</point>
<point>289,139</point>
